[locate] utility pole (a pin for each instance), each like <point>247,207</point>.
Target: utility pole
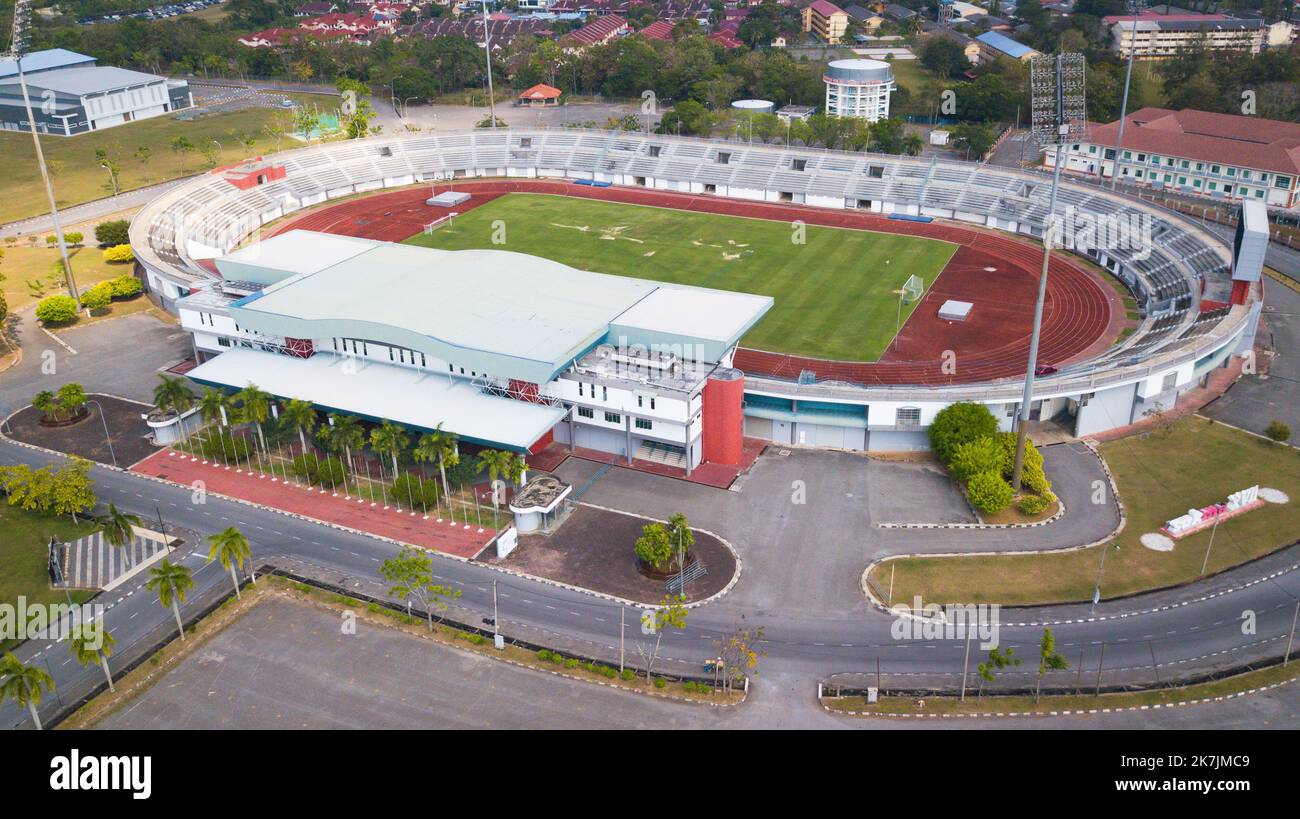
<point>622,630</point>
<point>1205,563</point>
<point>1123,107</point>
<point>1291,638</point>
<point>496,622</point>
<point>487,51</point>
<point>17,48</point>
<point>1058,111</point>
<point>965,668</point>
<point>1100,662</point>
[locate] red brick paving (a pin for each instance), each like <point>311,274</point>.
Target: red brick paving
<point>1080,315</point>
<point>354,514</point>
<point>719,476</point>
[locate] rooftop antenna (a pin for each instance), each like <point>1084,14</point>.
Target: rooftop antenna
<point>1059,111</point>
<point>17,50</point>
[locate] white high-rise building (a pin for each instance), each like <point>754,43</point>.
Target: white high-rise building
<point>858,88</point>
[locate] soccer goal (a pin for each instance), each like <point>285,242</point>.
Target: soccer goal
<point>912,290</point>
<point>439,222</point>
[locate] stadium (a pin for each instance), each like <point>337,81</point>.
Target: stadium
<point>817,343</point>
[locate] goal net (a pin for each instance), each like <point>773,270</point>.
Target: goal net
<point>913,289</point>
<point>439,222</point>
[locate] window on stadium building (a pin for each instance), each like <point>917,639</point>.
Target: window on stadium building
<point>613,418</point>
<point>585,412</point>
<point>908,418</point>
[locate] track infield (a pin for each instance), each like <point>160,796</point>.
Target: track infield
<point>835,290</point>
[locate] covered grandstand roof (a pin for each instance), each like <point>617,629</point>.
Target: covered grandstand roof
<point>379,391</point>
<point>495,311</point>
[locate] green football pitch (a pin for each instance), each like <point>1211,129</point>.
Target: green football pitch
<point>835,292</point>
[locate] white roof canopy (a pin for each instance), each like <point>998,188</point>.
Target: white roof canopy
<point>376,391</point>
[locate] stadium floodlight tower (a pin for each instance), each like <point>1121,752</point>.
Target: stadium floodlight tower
<point>17,49</point>
<point>1059,109</point>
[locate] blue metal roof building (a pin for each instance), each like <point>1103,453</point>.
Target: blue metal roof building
<point>1006,46</point>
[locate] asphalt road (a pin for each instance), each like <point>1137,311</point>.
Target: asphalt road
<point>287,664</point>
<point>1191,637</point>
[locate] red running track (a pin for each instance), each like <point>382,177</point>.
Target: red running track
<point>998,273</point>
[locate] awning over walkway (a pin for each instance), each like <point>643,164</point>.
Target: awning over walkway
<point>376,391</point>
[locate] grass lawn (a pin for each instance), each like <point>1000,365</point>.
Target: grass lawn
<point>79,178</point>
<point>23,556</point>
<point>41,265</point>
<point>835,294</point>
<point>1192,463</point>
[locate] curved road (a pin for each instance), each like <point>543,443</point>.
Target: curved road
<point>1191,636</point>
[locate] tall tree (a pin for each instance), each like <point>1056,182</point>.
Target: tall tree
<point>344,434</point>
<point>118,529</point>
<point>171,582</point>
<point>997,660</point>
<point>1049,659</point>
<point>300,415</point>
<point>24,684</point>
<point>498,464</point>
<point>171,394</point>
<point>254,408</point>
<point>671,613</point>
<point>90,643</point>
<point>411,573</point>
<point>390,439</point>
<point>231,548</point>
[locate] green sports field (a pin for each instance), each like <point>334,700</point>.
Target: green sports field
<point>836,295</point>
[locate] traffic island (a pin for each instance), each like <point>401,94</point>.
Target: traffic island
<point>110,431</point>
<point>593,550</point>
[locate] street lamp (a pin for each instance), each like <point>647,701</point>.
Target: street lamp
<point>487,53</point>
<point>1123,107</point>
<point>1059,111</point>
<point>107,438</point>
<point>17,48</point>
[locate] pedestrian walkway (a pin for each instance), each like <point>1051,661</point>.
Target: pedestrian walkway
<point>93,563</point>
<point>400,524</point>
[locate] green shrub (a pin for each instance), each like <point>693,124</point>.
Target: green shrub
<point>114,232</point>
<point>1032,505</point>
<point>225,448</point>
<point>571,663</point>
<point>557,658</point>
<point>57,309</point>
<point>51,240</point>
<point>958,424</point>
<point>96,299</point>
<point>544,654</point>
<point>1007,442</point>
<point>974,457</point>
<point>627,674</point>
<point>118,254</point>
<point>660,682</point>
<point>124,286</point>
<point>74,238</point>
<point>412,489</point>
<point>475,639</point>
<point>327,471</point>
<point>1278,431</point>
<point>988,492</point>
<point>1034,479</point>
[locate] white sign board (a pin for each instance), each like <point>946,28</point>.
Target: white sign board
<point>506,542</point>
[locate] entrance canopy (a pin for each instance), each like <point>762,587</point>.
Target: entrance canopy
<point>376,391</point>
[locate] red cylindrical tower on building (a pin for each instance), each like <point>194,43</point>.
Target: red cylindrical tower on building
<point>723,417</point>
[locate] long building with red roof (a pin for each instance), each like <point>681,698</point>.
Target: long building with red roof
<point>1198,152</point>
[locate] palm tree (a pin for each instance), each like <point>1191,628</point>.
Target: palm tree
<point>90,643</point>
<point>232,549</point>
<point>118,529</point>
<point>390,438</point>
<point>254,408</point>
<point>498,463</point>
<point>300,415</point>
<point>172,394</point>
<point>213,405</point>
<point>345,433</point>
<point>24,684</point>
<point>171,582</point>
<point>441,445</point>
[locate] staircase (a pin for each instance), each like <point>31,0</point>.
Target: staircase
<point>662,454</point>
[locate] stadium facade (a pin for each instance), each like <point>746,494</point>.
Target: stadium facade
<point>1199,299</point>
<point>504,349</point>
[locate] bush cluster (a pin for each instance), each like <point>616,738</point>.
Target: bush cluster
<point>412,489</point>
<point>327,471</point>
<point>118,254</point>
<point>965,437</point>
<point>57,309</point>
<point>226,449</point>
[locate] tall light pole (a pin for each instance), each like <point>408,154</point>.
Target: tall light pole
<point>17,48</point>
<point>1059,112</point>
<point>1123,106</point>
<point>487,53</point>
